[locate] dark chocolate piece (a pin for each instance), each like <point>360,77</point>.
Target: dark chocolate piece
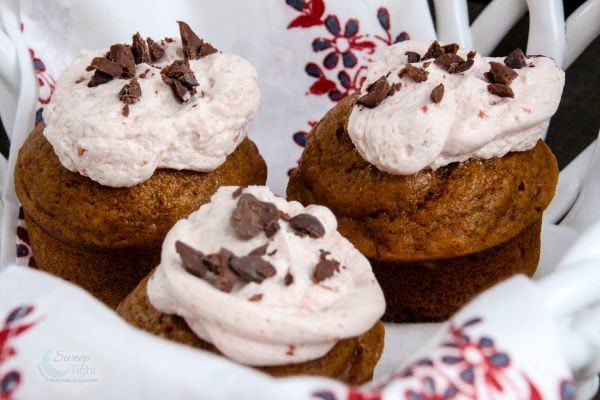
<point>434,51</point>
<point>500,90</point>
<point>256,297</point>
<point>251,216</point>
<point>460,67</point>
<point>394,88</point>
<point>106,66</point>
<point>252,268</point>
<point>140,50</point>
<point>122,55</point>
<point>502,73</point>
<point>325,268</point>
<point>415,73</point>
<point>191,259</point>
<point>193,46</point>
<point>307,225</point>
<point>437,93</point>
<point>516,59</point>
<point>156,51</point>
<point>471,55</point>
<point>376,92</point>
<point>99,78</point>
<point>446,60</point>
<point>451,48</point>
<point>288,279</point>
<point>413,57</point>
<point>125,110</point>
<point>181,78</point>
<point>131,92</point>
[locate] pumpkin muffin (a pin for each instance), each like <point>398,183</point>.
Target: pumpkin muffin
<point>266,283</point>
<point>135,139</point>
<point>436,172</point>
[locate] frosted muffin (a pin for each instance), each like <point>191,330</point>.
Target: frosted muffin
<point>266,283</point>
<point>436,172</point>
<point>135,139</point>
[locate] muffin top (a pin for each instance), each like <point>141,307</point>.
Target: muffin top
<point>117,116</point>
<point>266,281</point>
<point>424,105</point>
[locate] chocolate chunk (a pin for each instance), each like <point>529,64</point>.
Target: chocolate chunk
<point>437,93</point>
<point>99,78</point>
<point>471,55</point>
<point>191,259</point>
<point>217,262</point>
<point>394,88</point>
<point>140,50</point>
<point>325,268</point>
<point>256,297</point>
<point>502,73</point>
<point>251,216</point>
<point>413,57</point>
<point>460,67</point>
<point>125,111</point>
<point>131,92</point>
<point>122,55</point>
<point>415,73</point>
<point>252,268</point>
<point>288,279</point>
<point>489,76</point>
<point>259,251</point>
<point>181,78</point>
<point>516,59</point>
<point>451,48</point>
<point>306,224</point>
<point>238,192</point>
<point>156,52</point>
<point>227,279</point>
<point>434,51</point>
<point>376,93</point>
<point>500,90</point>
<point>426,64</point>
<point>106,66</point>
<point>446,60</point>
<point>193,46</point>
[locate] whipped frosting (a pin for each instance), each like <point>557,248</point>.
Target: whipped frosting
<point>290,323</point>
<point>90,134</point>
<point>408,132</point>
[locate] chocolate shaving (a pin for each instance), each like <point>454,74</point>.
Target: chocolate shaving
<point>502,73</point>
<point>125,111</point>
<point>252,268</point>
<point>256,297</point>
<point>500,90</point>
<point>193,46</point>
<point>105,66</point>
<point>191,259</point>
<point>122,55</point>
<point>131,92</point>
<point>376,93</point>
<point>259,251</point>
<point>251,216</point>
<point>140,50</point>
<point>181,78</point>
<point>434,51</point>
<point>288,279</point>
<point>415,73</point>
<point>437,93</point>
<point>325,268</point>
<point>156,52</point>
<point>307,225</point>
<point>516,59</point>
<point>413,57</point>
<point>451,48</point>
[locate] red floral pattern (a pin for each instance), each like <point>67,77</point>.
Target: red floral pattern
<point>462,367</point>
<point>13,327</point>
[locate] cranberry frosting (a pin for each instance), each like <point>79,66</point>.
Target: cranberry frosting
<point>266,281</point>
<point>422,109</point>
<point>120,145</point>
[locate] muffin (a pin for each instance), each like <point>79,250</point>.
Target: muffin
<point>135,139</point>
<point>436,172</point>
<point>266,283</point>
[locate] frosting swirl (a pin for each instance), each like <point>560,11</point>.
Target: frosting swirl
<point>289,317</point>
<point>409,131</point>
<point>91,135</point>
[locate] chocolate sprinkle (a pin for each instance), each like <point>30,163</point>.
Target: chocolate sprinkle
<point>256,297</point>
<point>415,73</point>
<point>181,78</point>
<point>191,259</point>
<point>376,93</point>
<point>156,52</point>
<point>325,268</point>
<point>306,224</point>
<point>413,57</point>
<point>252,268</point>
<point>516,59</point>
<point>288,279</point>
<point>500,90</point>
<point>193,46</point>
<point>437,93</point>
<point>502,73</point>
<point>434,51</point>
<point>251,216</point>
<point>140,50</point>
<point>131,92</point>
<point>122,55</point>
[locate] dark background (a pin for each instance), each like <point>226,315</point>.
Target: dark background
<point>575,125</point>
